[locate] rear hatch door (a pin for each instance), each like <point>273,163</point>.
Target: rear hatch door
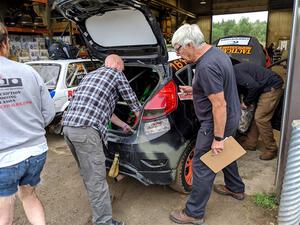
<point>123,27</point>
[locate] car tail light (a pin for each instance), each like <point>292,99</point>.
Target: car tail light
<point>163,103</point>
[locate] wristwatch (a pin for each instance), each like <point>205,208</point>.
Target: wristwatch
<point>217,138</point>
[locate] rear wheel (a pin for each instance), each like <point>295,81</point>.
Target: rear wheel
<point>184,174</point>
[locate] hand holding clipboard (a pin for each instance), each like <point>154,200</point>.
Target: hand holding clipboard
<point>231,152</point>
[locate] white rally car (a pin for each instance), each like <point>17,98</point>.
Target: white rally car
<point>62,78</point>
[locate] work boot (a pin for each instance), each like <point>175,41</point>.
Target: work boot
<point>268,155</point>
<point>115,222</point>
<point>179,216</point>
<point>248,148</point>
<point>223,190</point>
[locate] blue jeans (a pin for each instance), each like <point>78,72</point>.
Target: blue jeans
<point>26,172</point>
<point>203,177</point>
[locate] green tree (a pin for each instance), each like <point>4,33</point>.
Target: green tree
<point>243,27</point>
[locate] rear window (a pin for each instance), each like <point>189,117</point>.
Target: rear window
<point>48,72</point>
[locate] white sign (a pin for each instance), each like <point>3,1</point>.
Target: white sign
<point>234,41</point>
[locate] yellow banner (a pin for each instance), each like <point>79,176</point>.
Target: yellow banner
<point>245,50</point>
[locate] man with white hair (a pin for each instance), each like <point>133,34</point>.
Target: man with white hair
<point>217,107</point>
<point>85,127</point>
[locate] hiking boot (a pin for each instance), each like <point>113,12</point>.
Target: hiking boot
<point>116,222</point>
<point>248,148</point>
<point>268,155</point>
<point>180,217</point>
<point>223,190</point>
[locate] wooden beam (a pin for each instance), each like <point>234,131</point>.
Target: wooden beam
<point>157,3</point>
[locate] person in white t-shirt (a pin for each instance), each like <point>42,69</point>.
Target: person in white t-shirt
<point>26,108</point>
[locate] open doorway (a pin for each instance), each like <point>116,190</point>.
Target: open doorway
<point>253,24</point>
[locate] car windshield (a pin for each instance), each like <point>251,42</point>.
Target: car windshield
<point>49,73</point>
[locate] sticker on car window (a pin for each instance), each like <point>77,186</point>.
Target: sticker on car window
<point>244,50</point>
<point>234,41</point>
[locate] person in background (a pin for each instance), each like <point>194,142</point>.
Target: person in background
<point>85,127</point>
<point>217,107</point>
<point>270,51</point>
<point>268,58</point>
<point>26,108</point>
<point>261,87</point>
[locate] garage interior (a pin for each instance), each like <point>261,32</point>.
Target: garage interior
<point>170,14</point>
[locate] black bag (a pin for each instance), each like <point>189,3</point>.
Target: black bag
<point>61,50</point>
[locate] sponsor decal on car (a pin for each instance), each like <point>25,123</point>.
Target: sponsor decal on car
<point>178,64</point>
<point>244,50</point>
<point>70,94</point>
<point>52,93</point>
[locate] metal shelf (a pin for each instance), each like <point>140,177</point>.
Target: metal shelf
<point>27,30</point>
<point>40,1</point>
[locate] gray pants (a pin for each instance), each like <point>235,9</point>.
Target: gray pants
<point>86,147</point>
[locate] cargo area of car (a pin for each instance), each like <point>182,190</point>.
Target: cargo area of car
<point>143,81</point>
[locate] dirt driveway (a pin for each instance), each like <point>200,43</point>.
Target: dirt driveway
<point>65,200</point>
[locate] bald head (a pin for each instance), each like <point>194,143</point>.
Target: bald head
<point>114,61</point>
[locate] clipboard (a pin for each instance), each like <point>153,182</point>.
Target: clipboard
<point>232,151</point>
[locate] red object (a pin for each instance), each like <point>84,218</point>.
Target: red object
<point>163,103</point>
<point>268,58</point>
<point>268,61</point>
<point>70,94</point>
<point>188,168</point>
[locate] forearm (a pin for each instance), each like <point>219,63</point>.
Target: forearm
<point>220,117</point>
<point>117,121</point>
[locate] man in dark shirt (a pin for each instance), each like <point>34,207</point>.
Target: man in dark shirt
<point>261,87</point>
<point>217,108</point>
<point>85,127</point>
<point>270,51</point>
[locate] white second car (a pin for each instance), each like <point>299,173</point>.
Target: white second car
<point>62,78</point>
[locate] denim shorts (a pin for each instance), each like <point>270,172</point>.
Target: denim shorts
<point>26,172</point>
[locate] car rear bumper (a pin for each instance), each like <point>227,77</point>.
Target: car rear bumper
<point>145,177</point>
<point>152,162</point>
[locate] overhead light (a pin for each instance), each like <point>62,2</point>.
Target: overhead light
<point>202,2</point>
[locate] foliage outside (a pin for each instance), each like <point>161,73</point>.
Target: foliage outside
<point>265,200</point>
<point>243,27</point>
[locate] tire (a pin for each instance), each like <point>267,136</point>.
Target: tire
<point>184,174</point>
<point>55,126</point>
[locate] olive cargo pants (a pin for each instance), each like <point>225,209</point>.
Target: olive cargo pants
<point>261,125</point>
